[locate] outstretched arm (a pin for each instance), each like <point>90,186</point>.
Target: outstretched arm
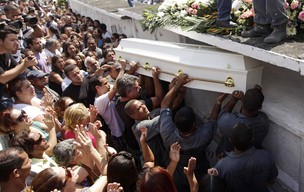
<point>174,157</point>
<point>172,93</point>
<point>147,152</point>
<point>236,95</point>
<point>217,106</point>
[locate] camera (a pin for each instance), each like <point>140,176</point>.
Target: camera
<point>32,20</point>
<point>17,24</point>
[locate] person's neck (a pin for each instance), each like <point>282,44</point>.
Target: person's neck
<point>18,130</point>
<point>26,101</point>
<point>38,154</point>
<point>2,51</point>
<point>248,113</point>
<point>13,186</point>
<point>123,99</point>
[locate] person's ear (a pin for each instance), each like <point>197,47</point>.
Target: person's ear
<point>15,173</point>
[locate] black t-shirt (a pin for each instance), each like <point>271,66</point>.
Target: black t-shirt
<point>78,93</point>
<point>7,62</point>
<point>129,122</point>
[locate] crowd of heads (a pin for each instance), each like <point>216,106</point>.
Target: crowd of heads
<point>59,64</point>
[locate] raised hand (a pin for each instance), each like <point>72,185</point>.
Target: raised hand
<point>175,152</point>
<point>189,170</point>
<point>114,187</point>
<point>238,95</point>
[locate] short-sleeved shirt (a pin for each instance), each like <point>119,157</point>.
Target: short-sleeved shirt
<point>193,146</point>
<point>248,171</point>
<point>129,122</point>
<point>106,109</point>
<point>227,120</point>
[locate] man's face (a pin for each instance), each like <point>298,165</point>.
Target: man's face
<point>40,141</point>
<point>92,65</point>
<point>104,87</point>
<point>140,111</point>
<point>13,14</point>
<point>110,56</point>
<point>40,82</point>
<point>27,89</point>
<point>26,166</point>
<point>10,43</point>
<point>37,45</point>
<point>24,6</point>
<point>134,92</point>
<point>75,76</point>
<point>91,45</point>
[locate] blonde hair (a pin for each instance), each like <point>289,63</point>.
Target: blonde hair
<point>74,115</point>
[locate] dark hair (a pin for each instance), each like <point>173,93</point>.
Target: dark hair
<point>10,7</point>
<point>156,179</point>
<point>122,169</point>
<point>184,119</point>
<point>241,137</point>
<point>9,161</point>
<point>23,140</point>
<point>106,51</point>
<point>15,85</point>
<point>128,107</point>
<point>125,84</point>
<point>103,27</point>
<point>7,30</point>
<point>69,68</point>
<point>47,180</point>
<point>211,183</point>
<point>253,100</point>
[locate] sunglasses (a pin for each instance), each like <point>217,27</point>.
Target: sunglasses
<point>39,140</point>
<point>21,117</point>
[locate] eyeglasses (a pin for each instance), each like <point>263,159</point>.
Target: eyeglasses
<point>39,140</point>
<point>21,117</point>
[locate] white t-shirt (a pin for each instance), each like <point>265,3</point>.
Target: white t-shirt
<point>106,109</point>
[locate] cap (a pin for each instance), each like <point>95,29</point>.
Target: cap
<point>35,74</point>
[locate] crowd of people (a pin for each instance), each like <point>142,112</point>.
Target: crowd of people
<point>73,118</point>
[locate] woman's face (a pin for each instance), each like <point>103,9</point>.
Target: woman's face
<point>72,50</point>
<point>60,63</point>
<point>20,119</point>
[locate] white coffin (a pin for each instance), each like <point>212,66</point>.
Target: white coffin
<point>209,67</point>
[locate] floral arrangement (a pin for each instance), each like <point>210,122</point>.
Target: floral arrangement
<point>295,13</point>
<point>242,12</point>
<point>200,16</point>
<point>197,15</point>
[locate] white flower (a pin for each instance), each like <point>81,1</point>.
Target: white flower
<point>160,14</point>
<point>236,5</point>
<point>237,13</point>
<point>183,13</point>
<point>291,30</point>
<point>204,3</point>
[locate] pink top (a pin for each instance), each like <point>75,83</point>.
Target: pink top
<point>68,134</point>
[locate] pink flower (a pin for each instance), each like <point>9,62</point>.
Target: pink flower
<point>286,5</point>
<point>194,5</point>
<point>294,4</point>
<point>246,14</point>
<point>248,1</point>
<point>301,16</point>
<point>189,10</point>
<point>194,12</point>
